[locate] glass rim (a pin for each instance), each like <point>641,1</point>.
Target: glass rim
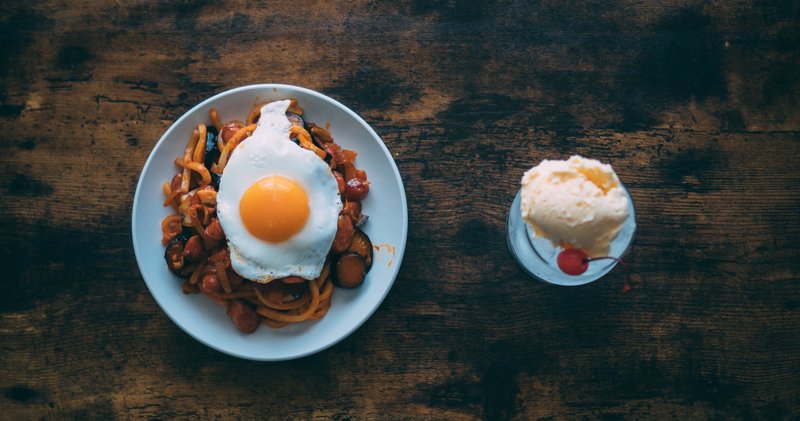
<point>603,271</point>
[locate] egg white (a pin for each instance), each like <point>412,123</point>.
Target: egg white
<point>270,152</point>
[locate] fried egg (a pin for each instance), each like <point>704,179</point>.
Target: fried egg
<point>278,203</point>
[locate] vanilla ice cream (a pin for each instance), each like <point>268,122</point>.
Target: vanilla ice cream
<point>578,202</point>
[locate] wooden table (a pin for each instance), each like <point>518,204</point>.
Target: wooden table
<point>694,104</point>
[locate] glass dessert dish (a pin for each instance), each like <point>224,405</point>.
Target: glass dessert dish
<point>538,255</point>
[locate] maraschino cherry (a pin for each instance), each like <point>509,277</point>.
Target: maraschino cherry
<point>574,261</point>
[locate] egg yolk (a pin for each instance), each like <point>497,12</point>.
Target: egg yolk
<point>274,208</point>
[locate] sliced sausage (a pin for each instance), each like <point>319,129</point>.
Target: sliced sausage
<point>356,189</point>
<point>243,316</point>
<point>214,230</point>
<point>211,283</point>
<point>194,251</point>
<point>344,233</point>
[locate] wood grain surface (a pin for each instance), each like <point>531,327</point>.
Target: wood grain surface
<point>695,104</point>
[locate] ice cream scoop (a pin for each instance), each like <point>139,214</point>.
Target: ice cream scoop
<point>576,203</point>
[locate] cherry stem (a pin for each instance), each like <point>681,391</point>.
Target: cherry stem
<point>627,287</point>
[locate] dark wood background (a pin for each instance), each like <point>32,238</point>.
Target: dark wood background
<point>695,104</point>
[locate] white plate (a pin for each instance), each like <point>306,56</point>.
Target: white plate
<point>207,322</point>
